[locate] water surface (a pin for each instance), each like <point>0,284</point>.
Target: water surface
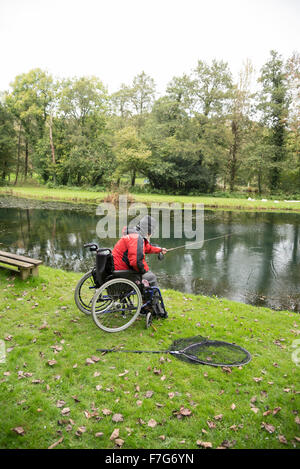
<point>258,264</point>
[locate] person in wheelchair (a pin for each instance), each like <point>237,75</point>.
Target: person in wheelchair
<point>129,252</point>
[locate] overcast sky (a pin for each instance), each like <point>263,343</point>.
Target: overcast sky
<point>117,39</point>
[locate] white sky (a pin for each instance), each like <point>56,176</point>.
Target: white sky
<point>117,39</point>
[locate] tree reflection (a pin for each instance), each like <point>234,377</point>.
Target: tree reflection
<point>258,264</point>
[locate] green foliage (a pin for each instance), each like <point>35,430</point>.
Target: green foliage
<point>274,106</point>
<point>7,142</point>
<point>202,135</point>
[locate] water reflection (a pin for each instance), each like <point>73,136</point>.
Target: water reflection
<point>258,264</point>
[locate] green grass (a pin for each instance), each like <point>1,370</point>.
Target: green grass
<point>40,313</point>
<point>86,196</point>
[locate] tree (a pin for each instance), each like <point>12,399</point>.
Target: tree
<point>239,121</point>
<point>143,92</point>
<point>212,87</point>
<point>176,161</point>
<point>131,153</point>
<point>121,102</point>
<point>274,105</point>
<point>81,130</point>
<point>7,141</point>
<point>257,153</point>
<point>29,100</point>
<point>291,170</point>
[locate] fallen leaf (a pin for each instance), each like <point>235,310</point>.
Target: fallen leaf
<point>106,411</point>
<point>152,423</point>
<point>117,418</point>
<point>276,410</point>
<point>282,439</point>
<point>89,361</point>
<point>211,424</point>
<point>95,359</point>
<point>56,443</point>
<point>99,434</point>
<point>149,394</point>
<point>268,427</point>
<point>115,434</point>
<point>228,444</point>
<point>254,409</point>
<point>185,412</point>
<point>218,417</point>
<point>60,403</point>
<point>204,444</point>
<point>119,442</point>
<point>19,430</point>
<point>65,411</point>
<point>233,406</point>
<point>52,362</point>
<point>81,429</point>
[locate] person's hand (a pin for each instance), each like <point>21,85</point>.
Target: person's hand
<point>164,251</point>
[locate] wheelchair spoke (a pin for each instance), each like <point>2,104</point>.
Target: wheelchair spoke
<point>124,307</point>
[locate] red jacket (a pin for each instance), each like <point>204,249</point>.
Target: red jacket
<point>129,253</point>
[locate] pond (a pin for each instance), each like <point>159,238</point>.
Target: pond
<point>258,264</point>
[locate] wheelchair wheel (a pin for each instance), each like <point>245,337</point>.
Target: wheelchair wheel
<point>122,302</point>
<point>84,292</point>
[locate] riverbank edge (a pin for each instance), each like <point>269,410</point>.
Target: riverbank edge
<point>214,203</point>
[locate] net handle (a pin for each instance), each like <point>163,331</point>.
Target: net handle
<point>106,350</point>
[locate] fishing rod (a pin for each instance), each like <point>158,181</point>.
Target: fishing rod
<point>161,256</point>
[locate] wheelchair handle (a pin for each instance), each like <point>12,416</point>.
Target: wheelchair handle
<point>104,249</point>
<point>92,246</point>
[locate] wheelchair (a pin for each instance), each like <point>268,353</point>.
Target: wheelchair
<point>115,298</point>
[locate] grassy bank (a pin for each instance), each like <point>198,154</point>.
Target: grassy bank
<point>51,395</point>
<point>85,196</point>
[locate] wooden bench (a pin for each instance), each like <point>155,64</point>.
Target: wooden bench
<point>25,265</point>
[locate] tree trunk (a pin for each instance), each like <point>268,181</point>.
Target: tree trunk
<point>259,181</point>
<point>26,160</point>
<point>18,161</point>
<point>52,148</point>
<point>233,161</point>
<point>4,171</point>
<point>133,176</point>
